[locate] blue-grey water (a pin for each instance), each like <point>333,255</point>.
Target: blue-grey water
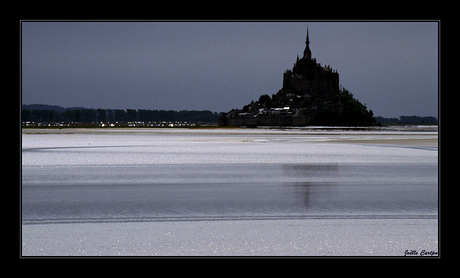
<point>162,175</point>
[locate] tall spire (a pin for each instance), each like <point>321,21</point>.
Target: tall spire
<point>307,51</point>
<point>308,40</point>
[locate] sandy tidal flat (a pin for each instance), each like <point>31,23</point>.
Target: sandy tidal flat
<point>172,192</point>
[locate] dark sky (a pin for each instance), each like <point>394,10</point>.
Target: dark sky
<point>217,66</point>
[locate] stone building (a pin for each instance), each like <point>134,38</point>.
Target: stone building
<point>309,77</point>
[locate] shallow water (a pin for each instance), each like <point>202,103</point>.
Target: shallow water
<point>148,176</point>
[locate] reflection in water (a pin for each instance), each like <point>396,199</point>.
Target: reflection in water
<point>311,170</point>
<point>227,190</point>
<point>363,189</point>
<point>313,196</point>
<point>305,189</point>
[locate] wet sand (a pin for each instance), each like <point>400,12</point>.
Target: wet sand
<point>292,237</point>
<point>428,137</point>
<point>429,141</point>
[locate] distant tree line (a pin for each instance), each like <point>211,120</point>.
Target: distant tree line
<point>73,115</point>
<point>407,120</point>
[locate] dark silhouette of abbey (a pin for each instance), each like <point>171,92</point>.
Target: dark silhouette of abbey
<point>310,95</point>
<point>309,77</point>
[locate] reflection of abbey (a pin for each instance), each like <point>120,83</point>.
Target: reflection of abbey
<point>310,95</point>
<point>309,77</point>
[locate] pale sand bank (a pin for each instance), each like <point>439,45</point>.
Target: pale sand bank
<point>293,237</point>
<point>371,136</point>
<point>425,142</point>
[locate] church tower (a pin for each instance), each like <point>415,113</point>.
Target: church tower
<point>307,51</point>
<point>309,77</point>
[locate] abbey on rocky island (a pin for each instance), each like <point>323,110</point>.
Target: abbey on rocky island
<point>310,96</point>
